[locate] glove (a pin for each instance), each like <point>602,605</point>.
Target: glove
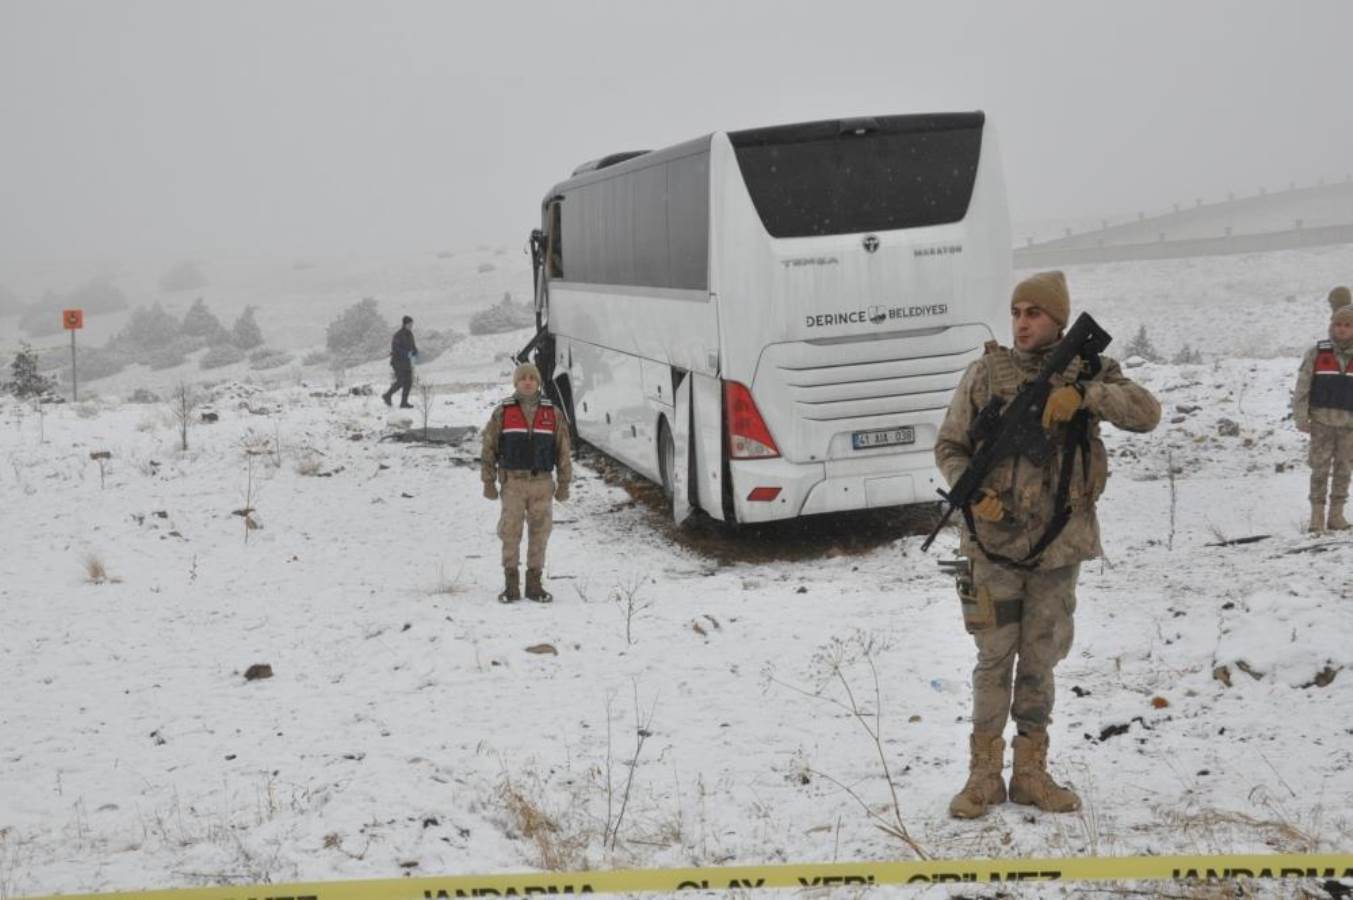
<point>1304,426</point>
<point>989,508</point>
<point>490,491</point>
<point>561,491</point>
<point>1062,405</point>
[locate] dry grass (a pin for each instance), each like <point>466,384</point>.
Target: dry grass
<point>158,420</point>
<point>1224,889</point>
<point>450,587</point>
<point>556,849</point>
<point>1282,835</point>
<point>96,572</point>
<point>309,465</point>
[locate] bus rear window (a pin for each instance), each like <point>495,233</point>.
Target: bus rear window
<point>901,172</point>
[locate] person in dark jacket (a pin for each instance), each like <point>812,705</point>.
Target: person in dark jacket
<point>403,350</point>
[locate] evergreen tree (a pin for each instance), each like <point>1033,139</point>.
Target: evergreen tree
<point>1141,345</point>
<point>28,382</point>
<point>201,322</point>
<point>148,329</point>
<point>358,335</point>
<point>246,334</point>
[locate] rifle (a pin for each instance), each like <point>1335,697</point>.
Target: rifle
<point>1016,428</point>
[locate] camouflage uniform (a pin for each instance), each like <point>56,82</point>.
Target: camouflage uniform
<point>1023,620</point>
<point>1042,636</point>
<point>1329,418</point>
<point>527,494</point>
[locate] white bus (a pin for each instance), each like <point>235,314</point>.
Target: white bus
<point>770,323</point>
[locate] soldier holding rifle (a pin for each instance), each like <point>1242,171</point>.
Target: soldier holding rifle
<point>1020,448</point>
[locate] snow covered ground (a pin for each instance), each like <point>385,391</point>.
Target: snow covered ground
<point>407,727</point>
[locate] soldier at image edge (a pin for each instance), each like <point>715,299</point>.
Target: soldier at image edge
<point>525,446</point>
<point>1322,406</point>
<point>1018,609</point>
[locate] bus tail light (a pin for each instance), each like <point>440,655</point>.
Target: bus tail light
<point>748,436</point>
<point>763,494</point>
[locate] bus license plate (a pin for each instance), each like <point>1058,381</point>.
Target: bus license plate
<point>883,437</point>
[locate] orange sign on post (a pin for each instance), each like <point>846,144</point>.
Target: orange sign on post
<point>71,319</point>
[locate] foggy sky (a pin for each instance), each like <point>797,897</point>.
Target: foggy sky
<point>203,128</point>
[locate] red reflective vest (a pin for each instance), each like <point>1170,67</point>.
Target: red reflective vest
<point>1331,386</point>
<point>527,446</point>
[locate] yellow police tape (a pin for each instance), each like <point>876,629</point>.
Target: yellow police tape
<point>809,876</point>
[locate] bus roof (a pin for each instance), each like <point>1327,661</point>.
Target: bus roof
<point>827,128</point>
<point>631,161</point>
<point>627,163</point>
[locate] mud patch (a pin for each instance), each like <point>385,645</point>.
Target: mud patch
<point>811,537</point>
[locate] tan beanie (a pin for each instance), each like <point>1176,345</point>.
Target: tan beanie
<point>1343,314</point>
<point>1048,292</point>
<point>525,369</point>
<point>1340,298</point>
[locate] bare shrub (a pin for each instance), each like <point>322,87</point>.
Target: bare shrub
<point>626,597</point>
<point>831,664</point>
<point>425,394</point>
<point>183,403</point>
<point>252,451</point>
<point>643,730</point>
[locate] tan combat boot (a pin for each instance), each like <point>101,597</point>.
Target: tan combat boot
<point>1317,517</point>
<point>1031,784</point>
<point>985,786</point>
<point>512,586</point>
<point>534,589</point>
<point>1336,521</point>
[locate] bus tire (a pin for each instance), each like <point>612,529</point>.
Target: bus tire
<point>564,399</point>
<point>666,458</point>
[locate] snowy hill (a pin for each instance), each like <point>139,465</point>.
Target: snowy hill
<point>295,300</point>
<point>406,727</point>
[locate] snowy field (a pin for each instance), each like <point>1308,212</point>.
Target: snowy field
<point>677,705</point>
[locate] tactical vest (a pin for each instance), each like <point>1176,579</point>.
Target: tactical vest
<point>1068,484</point>
<point>1005,377</point>
<point>1331,386</point>
<point>527,447</point>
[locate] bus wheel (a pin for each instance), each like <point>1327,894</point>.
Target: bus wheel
<point>564,396</point>
<point>666,458</point>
